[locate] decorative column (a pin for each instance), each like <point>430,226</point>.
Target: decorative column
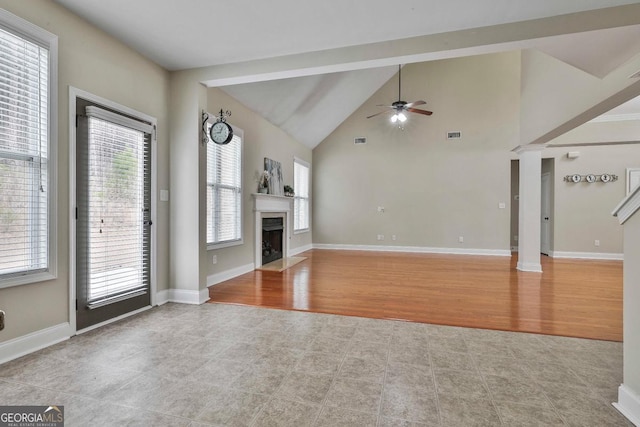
<point>188,252</point>
<point>530,200</point>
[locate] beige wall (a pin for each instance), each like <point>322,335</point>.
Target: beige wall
<point>92,61</point>
<point>557,97</point>
<point>433,189</point>
<point>582,211</point>
<point>261,139</point>
<point>598,132</point>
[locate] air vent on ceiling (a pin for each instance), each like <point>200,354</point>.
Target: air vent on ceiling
<point>360,140</point>
<point>454,135</point>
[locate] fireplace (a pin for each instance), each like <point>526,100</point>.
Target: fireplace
<point>268,206</point>
<point>272,233</point>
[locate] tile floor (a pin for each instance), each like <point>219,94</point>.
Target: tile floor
<point>226,365</point>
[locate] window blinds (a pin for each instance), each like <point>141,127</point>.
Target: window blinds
<point>23,156</point>
<point>301,199</point>
<point>224,191</point>
<point>114,234</point>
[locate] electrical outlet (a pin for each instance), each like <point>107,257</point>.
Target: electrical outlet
<point>381,209</point>
<point>461,239</point>
<point>1,320</point>
<point>596,242</point>
<point>214,259</point>
<point>393,237</point>
<point>380,236</point>
<point>502,205</point>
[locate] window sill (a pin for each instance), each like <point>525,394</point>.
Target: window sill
<point>304,230</point>
<point>213,246</point>
<point>26,279</point>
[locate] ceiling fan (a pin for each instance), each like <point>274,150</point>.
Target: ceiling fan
<point>399,107</point>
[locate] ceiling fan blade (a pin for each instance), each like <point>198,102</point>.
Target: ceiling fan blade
<point>385,106</point>
<point>413,104</point>
<point>377,114</point>
<point>425,112</point>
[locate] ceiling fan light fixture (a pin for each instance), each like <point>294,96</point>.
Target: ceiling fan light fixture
<point>402,117</point>
<point>395,118</point>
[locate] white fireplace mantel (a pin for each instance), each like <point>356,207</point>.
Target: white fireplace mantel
<point>270,206</point>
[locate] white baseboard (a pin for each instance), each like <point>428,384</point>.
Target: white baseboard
<point>586,255</point>
<point>628,404</point>
<point>415,249</point>
<point>183,296</point>
<point>216,278</point>
<point>34,341</point>
<point>533,267</point>
<point>162,297</point>
<point>300,249</point>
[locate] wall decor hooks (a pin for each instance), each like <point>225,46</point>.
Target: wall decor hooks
<point>591,178</point>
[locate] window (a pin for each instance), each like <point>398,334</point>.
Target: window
<point>301,198</point>
<point>27,134</point>
<point>224,192</point>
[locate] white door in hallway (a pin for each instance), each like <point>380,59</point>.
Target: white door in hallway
<point>545,214</point>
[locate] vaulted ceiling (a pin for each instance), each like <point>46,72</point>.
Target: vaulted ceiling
<point>311,103</point>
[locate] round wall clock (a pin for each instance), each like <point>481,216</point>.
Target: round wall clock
<point>605,177</point>
<point>576,178</point>
<point>221,133</point>
<point>591,178</point>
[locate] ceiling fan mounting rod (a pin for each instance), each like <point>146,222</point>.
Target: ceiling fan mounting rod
<point>399,81</point>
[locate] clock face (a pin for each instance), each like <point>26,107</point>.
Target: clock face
<point>605,178</point>
<point>576,178</point>
<point>591,178</point>
<point>221,133</point>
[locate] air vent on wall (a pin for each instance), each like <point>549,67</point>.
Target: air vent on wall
<point>360,140</point>
<point>454,135</point>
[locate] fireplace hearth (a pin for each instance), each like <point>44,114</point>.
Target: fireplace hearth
<point>272,234</point>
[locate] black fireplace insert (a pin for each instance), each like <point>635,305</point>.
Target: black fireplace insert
<point>272,231</point>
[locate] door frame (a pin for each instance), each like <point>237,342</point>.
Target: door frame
<point>78,93</point>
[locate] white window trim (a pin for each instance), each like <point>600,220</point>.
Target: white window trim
<point>304,163</point>
<point>44,38</point>
<point>240,241</point>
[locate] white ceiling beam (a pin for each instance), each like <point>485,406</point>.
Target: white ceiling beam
<point>519,35</point>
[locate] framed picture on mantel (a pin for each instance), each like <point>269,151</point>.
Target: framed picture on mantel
<point>276,183</point>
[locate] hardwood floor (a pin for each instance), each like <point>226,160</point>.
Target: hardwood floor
<point>577,298</point>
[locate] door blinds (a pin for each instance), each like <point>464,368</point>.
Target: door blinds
<point>114,201</point>
<point>23,156</point>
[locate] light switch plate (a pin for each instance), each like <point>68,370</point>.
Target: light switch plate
<point>164,195</point>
